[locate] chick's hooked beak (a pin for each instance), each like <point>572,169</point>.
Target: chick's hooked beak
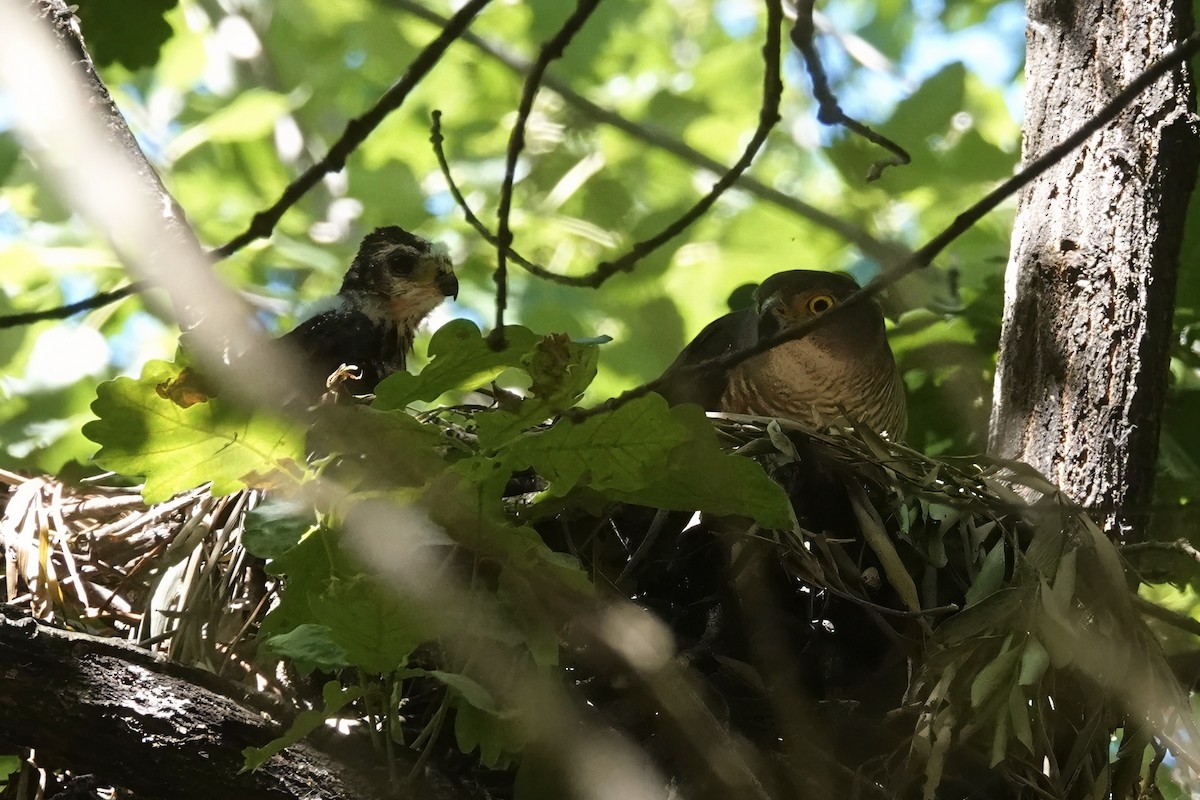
<point>447,282</point>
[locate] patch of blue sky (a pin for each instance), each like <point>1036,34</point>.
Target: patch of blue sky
<point>440,204</point>
<point>76,287</point>
<point>127,348</point>
<point>155,140</point>
<point>993,51</point>
<point>737,18</point>
<point>354,58</point>
<point>12,225</point>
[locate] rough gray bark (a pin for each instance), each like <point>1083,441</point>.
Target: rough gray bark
<point>162,729</point>
<point>1091,278</point>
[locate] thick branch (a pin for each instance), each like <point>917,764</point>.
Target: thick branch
<point>154,727</point>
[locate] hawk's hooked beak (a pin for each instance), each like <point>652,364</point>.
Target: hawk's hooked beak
<point>769,322</point>
<point>447,283</point>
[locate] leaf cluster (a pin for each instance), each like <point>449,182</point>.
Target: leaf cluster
<point>424,585</point>
<point>449,467</point>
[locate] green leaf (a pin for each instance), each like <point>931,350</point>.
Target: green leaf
<point>461,360</point>
<point>561,369</point>
<point>991,575</point>
<point>702,476</point>
<point>1055,630</point>
<point>474,727</point>
<point>497,427</point>
<point>994,676</point>
<point>478,719</point>
<point>310,646</point>
<point>391,444</point>
<point>9,152</point>
<point>377,630</point>
<point>1018,711</point>
<point>619,450</point>
<point>994,613</point>
<point>468,689</point>
<point>129,34</point>
<point>275,526</point>
<point>336,698</point>
<point>1034,662</point>
<point>999,740</point>
<point>8,766</point>
<point>251,115</point>
<point>175,448</point>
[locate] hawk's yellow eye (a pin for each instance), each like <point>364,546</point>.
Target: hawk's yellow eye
<point>820,303</point>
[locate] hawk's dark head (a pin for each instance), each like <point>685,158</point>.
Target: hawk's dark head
<point>788,299</point>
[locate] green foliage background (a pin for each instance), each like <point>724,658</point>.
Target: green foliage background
<point>232,104</point>
<point>235,104</point>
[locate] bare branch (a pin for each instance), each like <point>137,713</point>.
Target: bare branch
<point>438,140</point>
<point>1173,618</point>
<point>768,118</point>
<point>1180,547</point>
<point>263,223</point>
<point>828,111</point>
<point>357,130</point>
<point>882,251</point>
<point>925,255</point>
<point>62,312</point>
<point>552,50</point>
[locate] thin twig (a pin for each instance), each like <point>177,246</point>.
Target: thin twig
<point>551,51</point>
<point>883,251</point>
<point>357,130</point>
<point>925,255</point>
<point>438,140</point>
<point>768,118</point>
<point>1172,618</point>
<point>828,110</point>
<point>1181,546</point>
<point>62,312</point>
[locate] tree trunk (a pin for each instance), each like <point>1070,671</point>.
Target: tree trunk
<point>1090,286</point>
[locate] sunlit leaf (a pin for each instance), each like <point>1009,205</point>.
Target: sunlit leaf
<point>335,697</point>
<point>310,646</point>
<point>174,448</point>
<point>460,359</point>
<point>700,475</point>
<point>621,450</point>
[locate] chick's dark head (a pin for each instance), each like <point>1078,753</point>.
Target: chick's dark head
<point>412,274</point>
